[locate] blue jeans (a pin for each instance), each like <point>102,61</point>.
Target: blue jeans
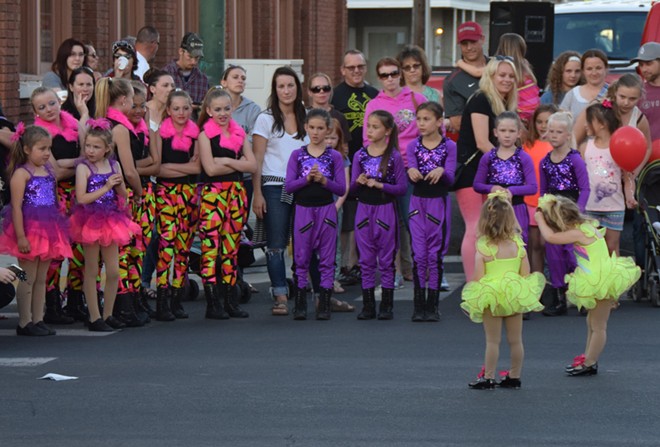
<point>277,221</point>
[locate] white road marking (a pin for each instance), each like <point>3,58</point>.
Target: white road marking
<point>83,332</point>
<point>25,361</point>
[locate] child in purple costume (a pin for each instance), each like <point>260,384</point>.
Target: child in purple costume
<point>563,172</point>
<point>377,177</point>
<point>508,168</point>
<point>314,173</point>
<point>431,167</point>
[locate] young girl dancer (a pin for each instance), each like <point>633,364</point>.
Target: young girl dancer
<point>314,173</point>
<point>225,153</point>
<point>564,173</point>
<point>176,202</point>
<point>607,199</point>
<point>431,167</point>
<point>101,222</point>
<point>503,288</point>
<point>508,168</point>
<point>377,178</point>
<point>64,129</point>
<point>537,147</point>
<point>34,229</point>
<point>600,278</point>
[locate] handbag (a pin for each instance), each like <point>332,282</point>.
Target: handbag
<point>460,167</point>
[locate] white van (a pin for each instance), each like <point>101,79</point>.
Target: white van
<point>614,26</point>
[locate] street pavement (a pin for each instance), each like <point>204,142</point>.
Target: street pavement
<point>272,381</point>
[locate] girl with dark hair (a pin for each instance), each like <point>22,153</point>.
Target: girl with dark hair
<point>80,101</point>
<point>594,70</point>
<point>71,54</point>
<point>565,73</point>
<point>378,178</point>
<point>277,132</point>
<point>125,62</point>
<point>160,84</point>
<point>417,72</point>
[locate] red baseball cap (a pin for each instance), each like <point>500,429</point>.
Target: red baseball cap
<point>470,31</point>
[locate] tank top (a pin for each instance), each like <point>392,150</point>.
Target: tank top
<point>606,191</point>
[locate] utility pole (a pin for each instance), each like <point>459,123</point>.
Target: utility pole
<point>418,34</point>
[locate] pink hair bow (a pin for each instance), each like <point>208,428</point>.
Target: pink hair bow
<point>99,123</point>
<point>607,103</point>
<point>18,134</point>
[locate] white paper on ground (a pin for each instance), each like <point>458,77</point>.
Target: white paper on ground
<point>56,377</point>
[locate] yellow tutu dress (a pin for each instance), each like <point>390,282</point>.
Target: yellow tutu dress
<point>598,275</point>
<point>502,289</point>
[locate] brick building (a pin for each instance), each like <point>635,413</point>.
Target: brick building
<point>313,30</point>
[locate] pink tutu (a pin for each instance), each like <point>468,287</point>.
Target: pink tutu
<point>46,230</point>
<point>103,226</point>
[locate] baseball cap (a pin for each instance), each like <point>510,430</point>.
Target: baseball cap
<point>470,31</point>
<point>648,52</point>
<point>193,44</point>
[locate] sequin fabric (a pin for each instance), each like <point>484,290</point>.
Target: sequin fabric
<point>97,181</point>
<point>430,159</point>
<point>306,162</point>
<point>371,167</point>
<point>40,192</point>
<point>505,172</point>
<point>560,176</point>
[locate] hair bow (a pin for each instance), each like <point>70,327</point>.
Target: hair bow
<point>99,123</point>
<point>18,134</point>
<point>500,194</point>
<point>607,103</point>
<point>546,201</point>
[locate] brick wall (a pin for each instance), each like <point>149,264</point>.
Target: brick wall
<point>10,18</point>
<point>161,15</point>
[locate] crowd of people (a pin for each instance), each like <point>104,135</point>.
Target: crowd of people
<point>125,169</point>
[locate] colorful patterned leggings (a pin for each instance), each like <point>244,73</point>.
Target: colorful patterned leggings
<point>132,255</point>
<point>222,215</point>
<point>66,191</point>
<point>176,211</point>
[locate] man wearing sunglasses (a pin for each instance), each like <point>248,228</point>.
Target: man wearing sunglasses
<point>459,85</point>
<point>185,72</point>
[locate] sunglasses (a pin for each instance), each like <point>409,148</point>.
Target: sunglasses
<point>500,57</point>
<point>360,67</point>
<point>320,88</point>
<point>117,56</point>
<point>412,67</point>
<point>392,74</point>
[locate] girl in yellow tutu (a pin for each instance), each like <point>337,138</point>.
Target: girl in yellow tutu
<point>502,289</point>
<point>599,279</point>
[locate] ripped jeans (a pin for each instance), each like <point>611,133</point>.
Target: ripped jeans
<point>277,222</point>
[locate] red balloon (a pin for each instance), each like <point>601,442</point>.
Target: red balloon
<point>655,151</point>
<point>628,147</point>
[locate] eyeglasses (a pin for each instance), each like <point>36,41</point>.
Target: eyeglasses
<point>118,55</point>
<point>501,57</point>
<point>93,55</point>
<point>360,67</point>
<point>392,74</point>
<point>320,88</point>
<point>412,67</point>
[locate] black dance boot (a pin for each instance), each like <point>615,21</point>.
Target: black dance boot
<point>162,306</point>
<point>432,300</point>
<point>144,304</point>
<point>368,305</point>
<point>142,314</point>
<point>124,310</point>
<point>386,304</point>
<point>300,303</point>
<point>54,313</point>
<point>231,302</point>
<point>175,303</point>
<point>324,310</point>
<point>560,307</point>
<point>418,302</point>
<point>214,308</point>
<point>76,307</point>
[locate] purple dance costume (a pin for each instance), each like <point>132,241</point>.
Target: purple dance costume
<point>105,221</point>
<point>315,214</point>
<point>430,210</point>
<point>376,220</point>
<point>568,178</point>
<point>45,226</point>
<point>516,174</point>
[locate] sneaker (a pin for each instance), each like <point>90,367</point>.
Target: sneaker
<point>444,285</point>
<point>398,282</point>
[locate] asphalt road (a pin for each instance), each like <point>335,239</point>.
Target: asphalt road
<point>271,381</point>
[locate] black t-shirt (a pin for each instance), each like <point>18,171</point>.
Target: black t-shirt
<point>352,102</point>
<point>467,143</point>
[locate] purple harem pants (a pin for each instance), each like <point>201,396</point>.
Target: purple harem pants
<point>429,221</point>
<point>377,240</point>
<point>315,229</point>
<point>522,215</point>
<point>561,261</point>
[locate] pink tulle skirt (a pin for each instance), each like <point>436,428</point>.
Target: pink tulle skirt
<point>103,226</point>
<point>46,230</point>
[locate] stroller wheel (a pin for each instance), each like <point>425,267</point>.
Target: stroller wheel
<point>636,292</point>
<point>653,293</point>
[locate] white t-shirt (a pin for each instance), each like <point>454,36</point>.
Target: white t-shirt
<point>278,147</point>
<point>143,65</point>
<point>575,103</point>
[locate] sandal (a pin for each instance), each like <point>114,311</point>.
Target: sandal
<point>337,288</point>
<point>148,293</point>
<point>341,306</point>
<point>280,309</point>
